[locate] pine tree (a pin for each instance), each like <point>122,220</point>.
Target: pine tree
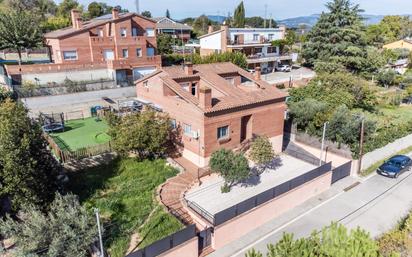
<point>28,171</point>
<point>239,16</point>
<point>338,37</point>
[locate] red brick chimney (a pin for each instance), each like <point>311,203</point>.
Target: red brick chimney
<point>75,15</point>
<point>205,97</point>
<point>189,69</point>
<point>115,13</point>
<point>210,29</point>
<point>258,73</point>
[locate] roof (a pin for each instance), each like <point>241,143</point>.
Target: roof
<point>167,23</point>
<point>233,96</point>
<point>98,21</point>
<point>213,33</point>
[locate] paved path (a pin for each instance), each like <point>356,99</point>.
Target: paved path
<point>377,204</point>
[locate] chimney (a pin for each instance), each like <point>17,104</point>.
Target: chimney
<point>210,29</point>
<point>79,23</point>
<point>189,69</point>
<point>205,97</point>
<point>75,15</point>
<point>258,73</point>
<point>115,13</point>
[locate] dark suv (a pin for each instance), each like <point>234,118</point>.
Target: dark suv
<point>395,166</point>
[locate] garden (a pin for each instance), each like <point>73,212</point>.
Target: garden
<point>124,192</point>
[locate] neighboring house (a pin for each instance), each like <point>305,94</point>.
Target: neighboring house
<point>255,43</point>
<point>403,43</point>
<point>400,66</point>
<point>175,29</point>
<point>215,106</point>
<point>120,46</point>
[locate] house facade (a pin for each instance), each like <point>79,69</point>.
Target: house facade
<point>215,106</point>
<point>255,43</point>
<point>175,29</point>
<point>400,44</point>
<point>120,45</point>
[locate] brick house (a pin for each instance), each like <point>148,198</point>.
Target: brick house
<point>215,105</point>
<point>120,45</point>
<point>175,29</point>
<point>255,43</point>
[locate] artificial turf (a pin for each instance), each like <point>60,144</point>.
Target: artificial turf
<point>82,133</point>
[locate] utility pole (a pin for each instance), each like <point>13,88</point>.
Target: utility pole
<point>362,133</point>
<point>266,12</point>
<point>323,143</point>
<point>100,232</point>
<point>270,21</point>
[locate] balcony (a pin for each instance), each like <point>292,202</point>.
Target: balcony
<point>102,41</point>
<point>272,57</point>
<point>240,42</point>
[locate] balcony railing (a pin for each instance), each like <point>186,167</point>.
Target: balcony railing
<point>248,42</point>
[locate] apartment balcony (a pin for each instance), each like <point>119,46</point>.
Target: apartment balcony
<point>262,58</point>
<point>245,43</point>
<point>105,41</point>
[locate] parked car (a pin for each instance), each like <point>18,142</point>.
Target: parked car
<point>395,166</point>
<point>284,68</point>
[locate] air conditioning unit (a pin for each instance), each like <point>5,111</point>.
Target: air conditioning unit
<point>195,134</point>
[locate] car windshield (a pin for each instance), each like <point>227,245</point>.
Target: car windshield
<point>394,163</point>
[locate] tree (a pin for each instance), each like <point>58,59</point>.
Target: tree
<point>334,240</point>
<point>261,152</point>
<point>146,134</point>
<point>259,22</point>
<point>5,94</point>
<point>95,10</point>
<point>67,229</point>
<point>28,171</point>
<point>309,114</point>
<point>164,44</point>
<point>233,167</point>
<point>55,23</point>
<point>168,13</point>
<point>338,37</point>
<point>201,24</point>
<point>386,78</point>
<point>19,31</point>
<point>147,14</point>
<point>65,7</point>
<point>239,16</point>
<point>236,58</point>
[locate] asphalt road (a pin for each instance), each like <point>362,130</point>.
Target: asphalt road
<point>377,204</point>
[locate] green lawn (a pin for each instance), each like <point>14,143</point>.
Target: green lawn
<point>82,133</point>
<point>124,192</point>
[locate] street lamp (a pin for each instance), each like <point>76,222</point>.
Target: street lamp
<point>323,142</point>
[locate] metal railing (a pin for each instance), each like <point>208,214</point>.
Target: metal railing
<point>201,211</point>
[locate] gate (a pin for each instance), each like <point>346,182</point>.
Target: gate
<point>205,238</point>
<point>341,172</point>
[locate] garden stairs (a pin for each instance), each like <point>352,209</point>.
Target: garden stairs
<point>171,192</point>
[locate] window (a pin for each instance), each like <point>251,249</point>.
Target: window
<point>173,124</point>
<point>108,54</point>
<point>187,129</point>
<point>223,132</point>
<point>100,32</point>
<point>270,36</point>
<point>70,55</point>
<point>125,53</point>
<point>255,37</point>
<point>150,32</point>
<point>193,89</point>
<point>231,80</point>
<point>134,32</point>
<point>138,52</point>
<point>123,32</point>
<point>150,51</point>
<point>146,84</point>
<point>185,86</point>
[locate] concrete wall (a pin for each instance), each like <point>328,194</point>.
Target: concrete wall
<point>187,249</point>
<point>75,75</point>
<point>212,42</point>
<point>236,228</point>
<point>388,150</point>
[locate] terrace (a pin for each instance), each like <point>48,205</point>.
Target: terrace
<point>209,198</point>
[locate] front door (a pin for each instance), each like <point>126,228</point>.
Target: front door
<point>246,128</point>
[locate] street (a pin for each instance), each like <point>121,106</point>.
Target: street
<point>377,204</point>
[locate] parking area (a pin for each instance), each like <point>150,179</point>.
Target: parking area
<point>294,75</point>
<point>210,198</point>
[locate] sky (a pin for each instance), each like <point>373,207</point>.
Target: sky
<point>279,9</point>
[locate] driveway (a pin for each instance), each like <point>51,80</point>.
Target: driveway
<point>377,204</point>
<point>282,77</point>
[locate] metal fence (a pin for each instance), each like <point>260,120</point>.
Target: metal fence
<point>341,172</point>
<point>269,194</point>
<point>166,243</point>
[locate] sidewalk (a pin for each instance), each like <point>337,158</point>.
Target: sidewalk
<point>377,204</point>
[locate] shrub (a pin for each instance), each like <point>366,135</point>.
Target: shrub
<point>261,152</point>
<point>231,166</point>
<point>386,78</point>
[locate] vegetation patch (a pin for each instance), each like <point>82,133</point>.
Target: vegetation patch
<point>124,192</point>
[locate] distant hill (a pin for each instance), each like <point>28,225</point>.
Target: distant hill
<point>312,19</point>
